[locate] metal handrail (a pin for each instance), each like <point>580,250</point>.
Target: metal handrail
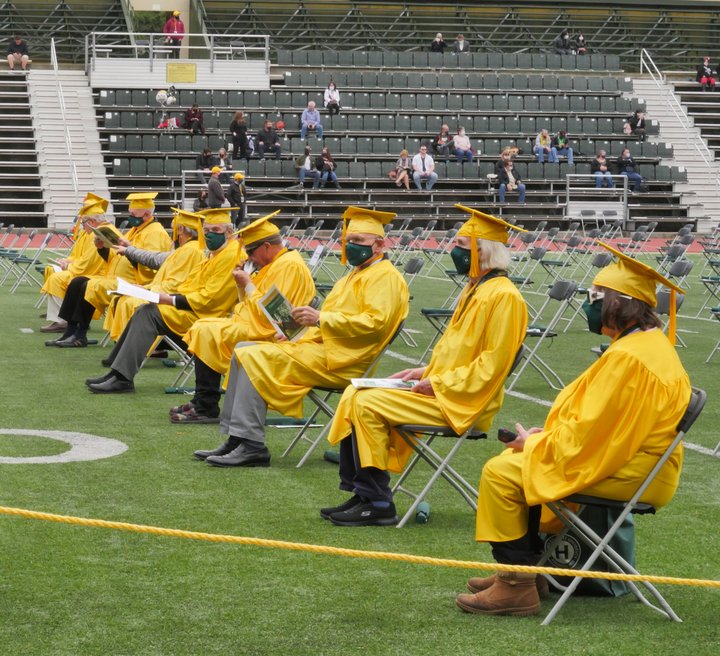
<point>673,104</point>
<point>61,105</point>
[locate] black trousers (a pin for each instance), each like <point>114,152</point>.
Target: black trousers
<point>525,550</point>
<point>368,482</point>
<point>207,390</point>
<point>75,309</point>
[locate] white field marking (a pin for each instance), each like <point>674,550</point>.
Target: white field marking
<point>527,397</point>
<point>83,447</point>
<point>26,330</point>
<point>404,358</point>
<point>700,449</point>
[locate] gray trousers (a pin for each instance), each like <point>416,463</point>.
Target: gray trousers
<point>244,410</point>
<point>132,347</point>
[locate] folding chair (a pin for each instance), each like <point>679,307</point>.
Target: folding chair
<point>411,433</point>
<point>435,255</point>
<point>712,286</point>
<point>716,314</point>
<point>185,360</point>
<point>663,309</point>
<point>411,270</point>
<point>563,292</point>
<point>9,255</point>
<point>26,265</point>
<point>601,544</point>
<point>320,396</point>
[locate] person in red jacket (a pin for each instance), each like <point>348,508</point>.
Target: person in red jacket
<point>174,31</point>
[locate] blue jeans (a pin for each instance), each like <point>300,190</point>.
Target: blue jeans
<point>318,129</point>
<point>634,179</point>
<point>600,176</point>
<point>329,176</point>
<point>540,152</point>
<point>430,179</point>
<point>463,155</point>
<point>315,175</point>
<point>565,152</point>
<point>521,192</point>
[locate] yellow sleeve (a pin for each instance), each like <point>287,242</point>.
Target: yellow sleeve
<point>212,289</point>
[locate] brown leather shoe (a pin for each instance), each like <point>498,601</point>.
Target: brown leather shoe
<point>54,327</point>
<point>478,584</point>
<point>512,593</point>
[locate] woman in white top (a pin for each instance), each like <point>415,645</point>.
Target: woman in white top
<point>461,143</point>
<point>332,99</point>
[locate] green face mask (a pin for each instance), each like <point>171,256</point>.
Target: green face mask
<point>214,240</point>
<point>461,259</point>
<point>357,254</point>
<point>593,312</point>
<point>134,221</point>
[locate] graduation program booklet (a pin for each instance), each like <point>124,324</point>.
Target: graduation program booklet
<point>277,309</point>
<point>384,383</point>
<point>107,236</point>
<point>125,288</point>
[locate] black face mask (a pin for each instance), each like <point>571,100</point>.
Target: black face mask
<point>461,259</point>
<point>593,312</point>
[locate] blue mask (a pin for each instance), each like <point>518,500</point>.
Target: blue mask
<point>593,312</point>
<point>461,259</point>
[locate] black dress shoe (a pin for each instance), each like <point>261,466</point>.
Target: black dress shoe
<point>53,342</point>
<point>354,500</point>
<point>229,445</point>
<point>242,457</point>
<point>365,514</point>
<point>106,362</point>
<point>72,342</point>
<point>112,385</point>
<point>99,379</point>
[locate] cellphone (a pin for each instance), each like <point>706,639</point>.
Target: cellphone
<point>505,435</point>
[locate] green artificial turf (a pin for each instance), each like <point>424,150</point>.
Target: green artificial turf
<point>79,590</point>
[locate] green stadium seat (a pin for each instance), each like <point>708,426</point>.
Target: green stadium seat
<point>156,166</point>
<point>623,105</point>
<point>369,79</point>
<point>496,124</point>
<point>187,164</point>
<point>128,120</point>
<point>420,59</point>
<point>297,146</point>
<point>251,99</point>
<point>393,100</point>
<point>374,170</point>
<point>550,82</point>
<point>203,97</point>
<point>446,81</point>
<point>582,62</point>
<point>454,171</point>
<point>198,142</point>
<point>521,168</point>
<point>332,143</point>
<point>138,166</point>
<point>395,145</point>
<point>500,103</point>
<point>354,79</point>
<point>551,171</point>
<point>567,62</point>
<point>565,82</point>
<point>535,81</point>
<point>520,82</point>
<point>479,60</point>
<point>455,101</point>
<point>357,170</point>
<point>489,81</point>
<point>562,103</point>
<point>408,101</point>
<point>360,59</point>
<point>235,99</point>
<point>424,101</point>
<point>677,173</point>
<point>428,80</point>
<point>219,98</point>
<point>172,167</point>
<point>558,123</point>
<point>625,84</point>
<point>590,125</point>
<point>166,143</point>
<point>532,103</point>
<point>284,58</point>
<point>133,143</point>
<point>505,81</point>
<point>287,168</point>
<point>402,123</point>
<point>524,60</point>
<point>516,103</point>
<point>374,58</point>
<point>610,83</point>
<point>539,61</point>
<point>355,123</point>
<point>434,121</point>
<point>481,124</point>
<point>418,123</point>
<point>348,146</point>
<point>362,100</point>
<point>441,169</point>
<point>267,99</point>
<point>592,103</point>
<point>386,123</point>
<point>543,123</point>
<point>390,59</point>
<point>512,124</point>
<point>273,168</point>
<point>580,83</point>
<point>663,172</point>
<point>527,125</point>
<point>400,80</point>
<point>106,97</point>
<point>330,58</point>
<point>121,166</point>
<point>607,104</point>
<point>146,120</point>
<point>475,80</point>
<point>384,79</point>
<point>535,171</point>
<point>495,61</point>
<point>139,97</point>
<point>186,97</point>
<point>183,143</point>
<point>598,62</point>
<point>577,103</point>
<point>116,143</point>
<point>371,122</point>
<point>337,122</point>
<point>415,80</point>
<point>546,103</point>
<point>123,97</point>
<point>605,125</point>
<point>365,145</point>
<point>299,57</point>
<point>595,84</point>
<point>663,149</point>
<point>582,168</point>
<point>470,102</point>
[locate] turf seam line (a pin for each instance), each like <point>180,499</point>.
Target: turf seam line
<point>348,553</point>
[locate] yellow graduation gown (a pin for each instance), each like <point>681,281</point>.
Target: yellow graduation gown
<point>359,316</point>
<point>171,274</point>
<point>84,261</point>
<point>210,290</point>
<point>603,434</point>
<point>467,370</point>
<point>213,340</point>
<point>149,236</point>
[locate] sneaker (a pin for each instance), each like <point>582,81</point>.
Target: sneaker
<point>365,514</point>
<point>353,501</point>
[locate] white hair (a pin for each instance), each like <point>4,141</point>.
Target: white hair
<point>493,255</point>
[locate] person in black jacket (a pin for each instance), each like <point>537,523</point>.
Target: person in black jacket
<point>637,124</point>
<point>326,165</point>
<point>236,196</point>
<point>705,75</point>
<point>626,166</point>
<point>509,179</point>
<point>438,44</point>
<point>238,130</point>
<point>18,53</point>
<point>562,44</point>
<point>267,139</point>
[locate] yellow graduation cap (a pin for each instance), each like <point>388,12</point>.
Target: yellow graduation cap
<point>215,169</point>
<point>482,226</point>
<point>259,229</point>
<point>365,221</point>
<point>217,215</point>
<point>142,200</point>
<point>93,205</point>
<point>189,220</point>
<point>634,278</point>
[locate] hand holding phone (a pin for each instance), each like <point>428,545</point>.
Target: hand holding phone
<point>505,435</point>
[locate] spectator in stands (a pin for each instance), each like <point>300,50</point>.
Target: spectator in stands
<point>193,121</point>
<point>310,120</point>
<point>201,202</point>
<point>402,170</point>
<point>222,160</point>
<point>561,147</point>
<point>18,53</point>
<point>438,45</point>
<point>442,143</point>
<point>326,164</point>
<point>238,130</point>
<point>637,124</point>
<point>562,44</point>
<point>424,169</point>
<point>331,98</point>
<point>174,30</point>
<point>505,156</point>
<point>627,167</point>
<point>509,179</point>
<point>307,168</point>
<point>267,138</point>
<point>462,148</point>
<point>705,75</point>
<point>600,169</point>
<point>580,44</point>
<point>236,197</point>
<point>216,193</point>
<point>543,146</point>
<point>460,45</point>
<point>204,161</point>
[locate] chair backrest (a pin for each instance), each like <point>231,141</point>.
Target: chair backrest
<point>695,406</point>
<point>562,290</point>
<point>663,301</point>
<point>414,265</point>
<point>680,268</point>
<point>376,360</point>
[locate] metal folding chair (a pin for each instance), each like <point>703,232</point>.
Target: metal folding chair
<point>25,267</point>
<point>716,314</point>
<point>601,543</point>
<point>185,360</point>
<point>9,256</point>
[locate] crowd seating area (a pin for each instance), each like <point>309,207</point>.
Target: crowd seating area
<point>677,35</point>
<point>66,21</point>
<point>704,108</point>
<point>383,112</point>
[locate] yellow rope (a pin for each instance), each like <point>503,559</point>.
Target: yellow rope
<point>349,553</point>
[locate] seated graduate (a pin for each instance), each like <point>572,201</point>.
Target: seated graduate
<point>359,317</point>
<point>208,291</point>
<point>173,267</point>
<point>602,436</point>
<point>461,387</point>
<point>212,341</point>
<point>87,296</point>
<point>83,260</point>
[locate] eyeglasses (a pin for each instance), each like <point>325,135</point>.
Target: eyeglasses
<point>595,295</point>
